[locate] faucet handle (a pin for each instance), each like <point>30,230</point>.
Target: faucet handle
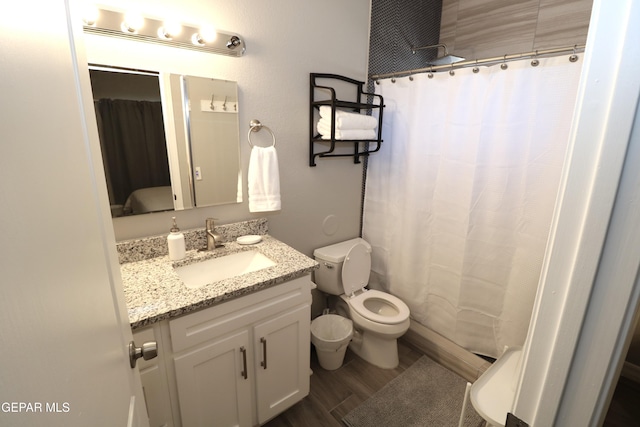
<point>210,223</point>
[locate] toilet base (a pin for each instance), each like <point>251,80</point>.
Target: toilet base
<point>381,352</point>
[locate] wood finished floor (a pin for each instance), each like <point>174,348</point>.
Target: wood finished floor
<point>624,410</point>
<point>334,393</point>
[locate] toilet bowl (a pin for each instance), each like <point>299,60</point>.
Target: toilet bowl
<point>379,318</point>
<point>330,334</point>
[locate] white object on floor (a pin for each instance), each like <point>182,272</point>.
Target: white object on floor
<point>464,405</point>
<point>330,334</point>
<point>493,394</point>
<point>379,318</point>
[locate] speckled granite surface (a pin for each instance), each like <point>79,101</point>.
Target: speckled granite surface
<point>154,291</point>
<point>152,247</point>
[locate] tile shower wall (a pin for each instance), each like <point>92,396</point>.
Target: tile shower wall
<point>396,25</point>
<point>477,29</point>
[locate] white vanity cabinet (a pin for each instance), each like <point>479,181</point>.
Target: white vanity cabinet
<point>242,362</point>
<point>213,383</point>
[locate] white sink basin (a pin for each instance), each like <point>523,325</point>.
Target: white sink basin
<point>203,273</point>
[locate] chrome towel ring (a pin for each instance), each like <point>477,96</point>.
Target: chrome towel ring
<point>255,126</point>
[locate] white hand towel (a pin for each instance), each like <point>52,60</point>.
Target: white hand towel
<point>346,120</point>
<point>361,134</point>
<point>264,180</point>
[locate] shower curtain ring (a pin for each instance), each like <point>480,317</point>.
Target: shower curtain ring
<point>574,57</point>
<point>504,65</point>
<point>393,79</point>
<point>476,70</point>
<point>430,75</point>
<point>410,77</point>
<point>451,72</point>
<point>534,61</point>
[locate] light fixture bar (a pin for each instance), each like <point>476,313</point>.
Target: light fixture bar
<point>109,23</point>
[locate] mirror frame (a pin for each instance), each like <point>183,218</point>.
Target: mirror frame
<point>176,115</point>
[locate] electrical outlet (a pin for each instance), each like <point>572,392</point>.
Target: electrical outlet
<point>198,174</point>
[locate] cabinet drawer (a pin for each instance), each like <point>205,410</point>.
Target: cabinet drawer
<point>196,328</point>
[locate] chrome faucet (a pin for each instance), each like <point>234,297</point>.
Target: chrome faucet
<point>213,240</point>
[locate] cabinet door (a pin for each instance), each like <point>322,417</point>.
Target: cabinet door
<point>213,385</point>
<point>282,361</point>
<point>154,381</point>
<point>154,386</point>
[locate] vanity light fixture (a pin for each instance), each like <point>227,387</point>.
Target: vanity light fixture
<point>234,42</point>
<point>169,30</point>
<point>131,23</point>
<point>90,15</point>
<point>130,26</point>
<point>206,34</point>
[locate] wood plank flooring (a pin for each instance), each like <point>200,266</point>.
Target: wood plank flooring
<point>334,393</point>
<point>624,410</point>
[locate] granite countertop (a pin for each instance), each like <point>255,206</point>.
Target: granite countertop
<point>154,292</point>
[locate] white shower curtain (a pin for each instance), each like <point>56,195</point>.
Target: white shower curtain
<point>459,199</point>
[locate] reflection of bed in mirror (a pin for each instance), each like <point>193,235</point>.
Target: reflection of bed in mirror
<point>132,107</point>
<point>146,200</point>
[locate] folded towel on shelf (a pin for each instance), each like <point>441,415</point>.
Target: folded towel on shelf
<point>346,120</point>
<point>326,123</point>
<point>264,180</point>
<point>359,134</point>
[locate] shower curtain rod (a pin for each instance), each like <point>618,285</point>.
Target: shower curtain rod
<point>494,60</point>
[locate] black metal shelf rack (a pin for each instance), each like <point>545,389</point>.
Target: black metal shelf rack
<point>355,106</point>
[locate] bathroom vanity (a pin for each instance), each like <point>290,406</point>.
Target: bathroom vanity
<point>233,352</point>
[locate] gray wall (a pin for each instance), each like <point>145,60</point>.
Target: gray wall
<point>286,40</point>
<point>477,29</point>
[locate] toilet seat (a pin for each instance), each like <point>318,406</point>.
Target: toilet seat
<point>359,302</point>
<point>356,270</point>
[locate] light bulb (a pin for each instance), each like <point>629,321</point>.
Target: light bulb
<point>132,22</point>
<point>207,34</point>
<point>170,29</point>
<point>90,15</point>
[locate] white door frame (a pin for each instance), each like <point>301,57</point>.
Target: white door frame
<point>588,294</point>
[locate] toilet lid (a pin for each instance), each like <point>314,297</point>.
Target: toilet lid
<point>356,268</point>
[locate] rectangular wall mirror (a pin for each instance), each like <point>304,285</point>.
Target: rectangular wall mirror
<point>169,142</point>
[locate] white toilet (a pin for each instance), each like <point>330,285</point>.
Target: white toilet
<point>379,318</point>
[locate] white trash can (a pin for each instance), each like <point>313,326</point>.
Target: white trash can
<point>330,334</point>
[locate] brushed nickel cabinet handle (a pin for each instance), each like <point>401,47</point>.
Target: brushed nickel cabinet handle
<point>244,363</point>
<point>264,353</point>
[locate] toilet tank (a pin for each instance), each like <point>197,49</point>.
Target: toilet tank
<point>329,276</point>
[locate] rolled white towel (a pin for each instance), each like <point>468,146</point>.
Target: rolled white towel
<point>359,134</point>
<point>346,120</point>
